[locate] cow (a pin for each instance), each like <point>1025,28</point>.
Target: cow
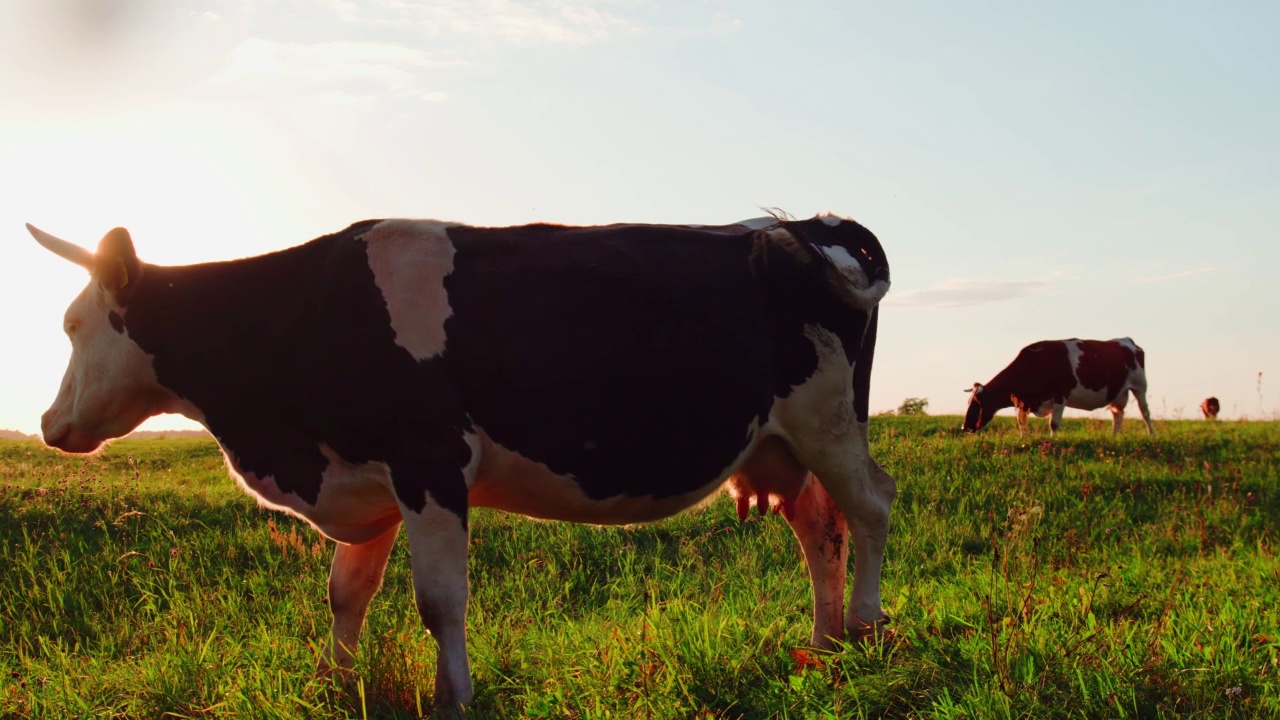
<point>400,372</point>
<point>1051,375</point>
<point>1210,408</point>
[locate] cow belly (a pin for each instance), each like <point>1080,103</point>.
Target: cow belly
<point>1083,398</point>
<point>355,503</point>
<point>506,480</point>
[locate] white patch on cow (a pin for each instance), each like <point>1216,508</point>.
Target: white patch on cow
<point>847,264</point>
<point>410,260</point>
<point>1130,344</point>
<point>830,219</point>
<point>110,384</point>
<point>356,501</point>
<point>822,406</point>
<point>866,293</point>
<point>507,480</point>
<point>1081,397</point>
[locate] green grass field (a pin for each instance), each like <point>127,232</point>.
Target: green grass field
<point>1086,576</point>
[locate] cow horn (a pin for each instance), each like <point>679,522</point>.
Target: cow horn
<point>62,248</point>
<point>968,389</point>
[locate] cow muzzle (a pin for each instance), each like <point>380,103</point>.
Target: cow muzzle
<point>63,436</point>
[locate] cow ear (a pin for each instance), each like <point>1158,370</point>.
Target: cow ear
<point>116,265</point>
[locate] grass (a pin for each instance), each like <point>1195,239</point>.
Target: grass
<point>1086,576</point>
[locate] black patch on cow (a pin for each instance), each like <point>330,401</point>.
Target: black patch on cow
<point>117,322</point>
<point>1105,365</point>
<point>634,358</point>
<point>1040,373</point>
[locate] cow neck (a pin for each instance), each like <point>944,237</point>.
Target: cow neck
<point>998,393</point>
<point>216,331</point>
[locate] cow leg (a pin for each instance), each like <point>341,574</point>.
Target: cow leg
<point>823,535</point>
<point>1141,397</point>
<point>864,493</point>
<point>354,579</point>
<point>1117,412</point>
<point>1055,421</point>
<point>438,541</point>
<point>435,523</point>
<point>1022,421</point>
<point>1117,418</point>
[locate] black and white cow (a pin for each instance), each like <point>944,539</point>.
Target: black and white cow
<point>404,371</point>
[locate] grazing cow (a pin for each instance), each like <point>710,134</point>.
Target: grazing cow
<point>404,371</point>
<point>1052,375</point>
<point>1210,408</point>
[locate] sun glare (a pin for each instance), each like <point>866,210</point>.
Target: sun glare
<point>177,201</point>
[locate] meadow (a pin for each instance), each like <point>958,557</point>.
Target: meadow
<point>1083,576</point>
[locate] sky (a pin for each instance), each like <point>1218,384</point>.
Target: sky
<point>1033,170</point>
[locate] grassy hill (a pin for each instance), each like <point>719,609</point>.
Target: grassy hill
<point>1086,576</point>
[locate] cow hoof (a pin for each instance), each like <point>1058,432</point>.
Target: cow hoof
<point>825,642</point>
<point>450,709</point>
<point>327,671</point>
<point>860,630</point>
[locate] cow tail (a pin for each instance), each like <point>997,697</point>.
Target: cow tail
<point>862,370</point>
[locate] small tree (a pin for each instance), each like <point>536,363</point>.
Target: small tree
<point>914,406</point>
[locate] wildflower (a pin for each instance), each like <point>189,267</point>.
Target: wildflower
<point>173,552</point>
<point>151,564</point>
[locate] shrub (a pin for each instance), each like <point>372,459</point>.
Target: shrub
<point>914,406</point>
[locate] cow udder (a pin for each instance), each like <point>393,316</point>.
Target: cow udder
<point>771,476</point>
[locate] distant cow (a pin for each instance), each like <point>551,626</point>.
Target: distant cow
<point>1210,408</point>
<point>1052,375</point>
<point>405,371</point>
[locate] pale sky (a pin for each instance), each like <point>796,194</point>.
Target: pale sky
<point>1034,170</point>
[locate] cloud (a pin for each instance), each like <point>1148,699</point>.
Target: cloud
<point>966,292</point>
<point>527,22</point>
<point>340,71</point>
<point>723,24</point>
<point>1173,276</point>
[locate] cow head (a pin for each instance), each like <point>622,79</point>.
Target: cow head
<point>1210,408</point>
<point>977,415</point>
<point>110,386</point>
